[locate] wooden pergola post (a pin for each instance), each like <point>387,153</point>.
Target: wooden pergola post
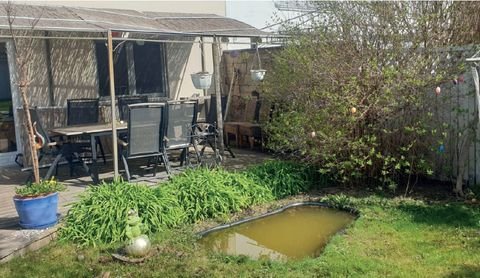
<point>204,69</point>
<point>111,74</point>
<point>218,95</point>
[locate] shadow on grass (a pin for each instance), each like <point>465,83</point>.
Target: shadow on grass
<point>454,215</point>
<point>466,271</point>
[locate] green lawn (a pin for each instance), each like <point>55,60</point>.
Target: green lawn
<point>392,238</point>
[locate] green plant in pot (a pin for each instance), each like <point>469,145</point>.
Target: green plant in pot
<point>37,204</point>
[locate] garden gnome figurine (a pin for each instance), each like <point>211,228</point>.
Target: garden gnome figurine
<point>138,244</point>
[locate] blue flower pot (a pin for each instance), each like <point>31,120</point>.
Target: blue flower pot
<point>37,213</point>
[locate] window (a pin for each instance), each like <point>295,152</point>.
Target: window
<point>148,60</point>
<point>8,139</point>
<point>120,68</point>
<point>150,68</point>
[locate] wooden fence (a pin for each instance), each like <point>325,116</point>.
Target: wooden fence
<point>455,108</point>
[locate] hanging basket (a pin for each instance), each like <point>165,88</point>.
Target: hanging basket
<point>258,75</point>
<point>202,80</point>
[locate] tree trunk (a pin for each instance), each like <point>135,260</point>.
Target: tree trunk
<point>23,69</point>
<point>462,158</point>
<point>30,131</point>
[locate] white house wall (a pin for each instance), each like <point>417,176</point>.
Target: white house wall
<point>183,60</point>
<point>178,56</point>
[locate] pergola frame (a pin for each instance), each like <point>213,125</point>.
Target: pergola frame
<point>216,42</point>
<point>216,72</point>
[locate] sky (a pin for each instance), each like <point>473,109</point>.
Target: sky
<point>256,13</point>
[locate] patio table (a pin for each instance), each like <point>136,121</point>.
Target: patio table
<point>92,130</point>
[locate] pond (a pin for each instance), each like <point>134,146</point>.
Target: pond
<point>294,232</point>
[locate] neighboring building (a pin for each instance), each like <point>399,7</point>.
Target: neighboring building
<point>203,7</point>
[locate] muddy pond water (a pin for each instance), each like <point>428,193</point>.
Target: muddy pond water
<point>292,233</point>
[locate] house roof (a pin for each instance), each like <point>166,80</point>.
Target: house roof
<point>61,18</point>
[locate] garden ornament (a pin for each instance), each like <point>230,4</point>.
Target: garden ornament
<point>138,244</point>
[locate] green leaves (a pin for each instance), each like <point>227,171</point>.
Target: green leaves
<point>204,193</point>
<point>349,80</point>
<point>100,217</point>
<point>285,178</point>
<point>339,201</point>
<point>45,187</point>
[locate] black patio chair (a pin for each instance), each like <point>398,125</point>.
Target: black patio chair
<point>45,145</point>
<point>209,133</point>
<point>82,111</point>
<point>145,135</point>
<point>181,119</point>
<point>51,148</point>
<point>202,109</point>
<point>85,111</point>
<point>124,101</point>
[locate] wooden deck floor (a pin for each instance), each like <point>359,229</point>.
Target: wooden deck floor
<point>13,239</point>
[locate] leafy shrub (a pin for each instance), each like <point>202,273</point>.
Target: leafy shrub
<point>368,115</point>
<point>207,193</point>
<point>284,178</point>
<point>42,188</point>
<point>255,192</point>
<point>100,216</point>
<point>339,201</point>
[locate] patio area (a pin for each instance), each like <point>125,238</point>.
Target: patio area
<point>14,241</point>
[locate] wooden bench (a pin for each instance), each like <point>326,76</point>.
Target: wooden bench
<point>249,130</point>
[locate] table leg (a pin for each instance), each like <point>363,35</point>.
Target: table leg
<point>53,166</point>
<point>197,152</point>
<point>93,168</point>
<point>89,170</point>
<point>94,147</point>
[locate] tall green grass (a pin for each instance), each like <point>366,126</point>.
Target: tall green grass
<point>205,193</point>
<point>284,178</point>
<point>100,216</point>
